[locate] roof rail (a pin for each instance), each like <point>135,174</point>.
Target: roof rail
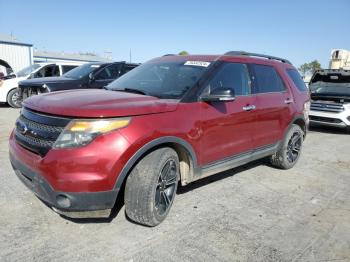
<point>168,55</point>
<point>243,53</point>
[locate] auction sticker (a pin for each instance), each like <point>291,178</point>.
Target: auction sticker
<point>197,63</point>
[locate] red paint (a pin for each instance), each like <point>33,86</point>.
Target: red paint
<point>215,131</point>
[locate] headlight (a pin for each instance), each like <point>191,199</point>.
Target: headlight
<point>81,132</point>
<point>45,88</point>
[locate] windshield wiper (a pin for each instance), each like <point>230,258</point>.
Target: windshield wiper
<point>132,90</point>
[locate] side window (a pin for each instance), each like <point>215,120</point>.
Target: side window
<point>234,75</point>
<point>297,80</point>
<point>48,71</point>
<point>109,72</point>
<point>267,79</point>
<point>66,68</point>
<point>127,68</point>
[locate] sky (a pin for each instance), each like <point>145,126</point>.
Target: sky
<point>300,31</point>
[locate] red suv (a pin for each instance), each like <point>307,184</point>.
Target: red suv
<point>173,119</point>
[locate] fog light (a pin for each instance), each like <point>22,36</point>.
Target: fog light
<point>63,201</point>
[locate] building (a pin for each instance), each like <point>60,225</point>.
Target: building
<point>340,59</point>
<point>48,56</point>
<point>14,55</point>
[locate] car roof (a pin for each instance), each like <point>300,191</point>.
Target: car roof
<point>230,56</point>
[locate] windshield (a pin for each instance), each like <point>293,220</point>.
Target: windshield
<point>331,84</point>
<point>169,80</point>
<point>81,71</point>
<point>28,70</point>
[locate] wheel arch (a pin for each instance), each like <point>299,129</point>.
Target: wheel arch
<point>185,152</point>
<point>300,121</point>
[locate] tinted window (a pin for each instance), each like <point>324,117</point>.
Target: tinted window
<point>48,71</point>
<point>233,75</point>
<point>127,68</point>
<point>163,79</point>
<point>82,71</point>
<point>109,72</point>
<point>67,68</point>
<point>267,79</point>
<point>297,80</point>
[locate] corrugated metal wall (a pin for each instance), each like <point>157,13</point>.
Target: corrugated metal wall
<point>17,56</point>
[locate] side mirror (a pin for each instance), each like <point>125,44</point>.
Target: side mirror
<point>223,94</point>
<point>91,77</point>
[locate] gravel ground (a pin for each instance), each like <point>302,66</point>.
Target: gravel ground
<point>251,213</point>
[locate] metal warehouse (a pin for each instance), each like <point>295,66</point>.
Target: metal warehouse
<point>14,55</point>
<point>48,56</point>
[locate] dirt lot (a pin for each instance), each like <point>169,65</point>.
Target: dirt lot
<point>252,213</point>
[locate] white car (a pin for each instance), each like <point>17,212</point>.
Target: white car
<point>8,87</point>
<point>330,98</point>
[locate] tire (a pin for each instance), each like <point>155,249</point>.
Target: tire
<point>288,154</point>
<point>13,99</point>
<point>150,190</point>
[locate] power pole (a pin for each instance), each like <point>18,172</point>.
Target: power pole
<point>130,56</point>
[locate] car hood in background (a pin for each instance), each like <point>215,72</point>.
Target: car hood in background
<point>45,80</point>
<point>98,103</point>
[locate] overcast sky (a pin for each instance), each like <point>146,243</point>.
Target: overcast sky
<point>297,30</point>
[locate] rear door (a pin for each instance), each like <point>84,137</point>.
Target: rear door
<point>226,127</point>
<point>272,105</point>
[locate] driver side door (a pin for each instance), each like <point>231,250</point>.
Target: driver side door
<point>227,126</point>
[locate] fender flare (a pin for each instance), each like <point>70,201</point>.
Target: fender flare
<point>295,118</point>
<point>152,144</point>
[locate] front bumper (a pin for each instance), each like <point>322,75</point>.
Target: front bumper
<point>74,182</point>
<point>330,118</point>
<point>70,204</point>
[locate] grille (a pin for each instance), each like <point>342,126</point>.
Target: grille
<point>37,132</point>
<point>327,107</point>
<point>326,119</point>
<point>27,91</point>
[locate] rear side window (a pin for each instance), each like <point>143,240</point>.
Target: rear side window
<point>267,79</point>
<point>67,68</point>
<point>297,80</point>
<point>232,75</point>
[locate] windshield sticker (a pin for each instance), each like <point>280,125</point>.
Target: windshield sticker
<point>197,63</point>
<point>95,66</point>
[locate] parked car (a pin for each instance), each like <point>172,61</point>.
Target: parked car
<point>330,98</point>
<point>89,75</point>
<point>8,89</point>
<point>174,118</point>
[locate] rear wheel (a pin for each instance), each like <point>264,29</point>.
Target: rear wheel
<point>13,99</point>
<point>151,187</point>
<point>287,156</point>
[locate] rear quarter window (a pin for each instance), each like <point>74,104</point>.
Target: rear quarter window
<point>297,80</point>
<point>267,80</point>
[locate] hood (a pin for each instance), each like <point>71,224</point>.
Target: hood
<point>12,82</point>
<point>98,103</point>
<point>45,80</point>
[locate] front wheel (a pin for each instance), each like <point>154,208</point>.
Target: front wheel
<point>288,154</point>
<point>151,187</point>
<point>13,99</point>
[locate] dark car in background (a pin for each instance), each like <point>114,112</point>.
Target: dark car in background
<point>90,75</point>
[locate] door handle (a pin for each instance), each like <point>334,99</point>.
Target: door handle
<point>288,101</point>
<point>249,108</point>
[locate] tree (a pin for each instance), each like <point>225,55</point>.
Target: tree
<point>314,66</point>
<point>183,53</point>
<point>304,68</point>
<point>309,68</point>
